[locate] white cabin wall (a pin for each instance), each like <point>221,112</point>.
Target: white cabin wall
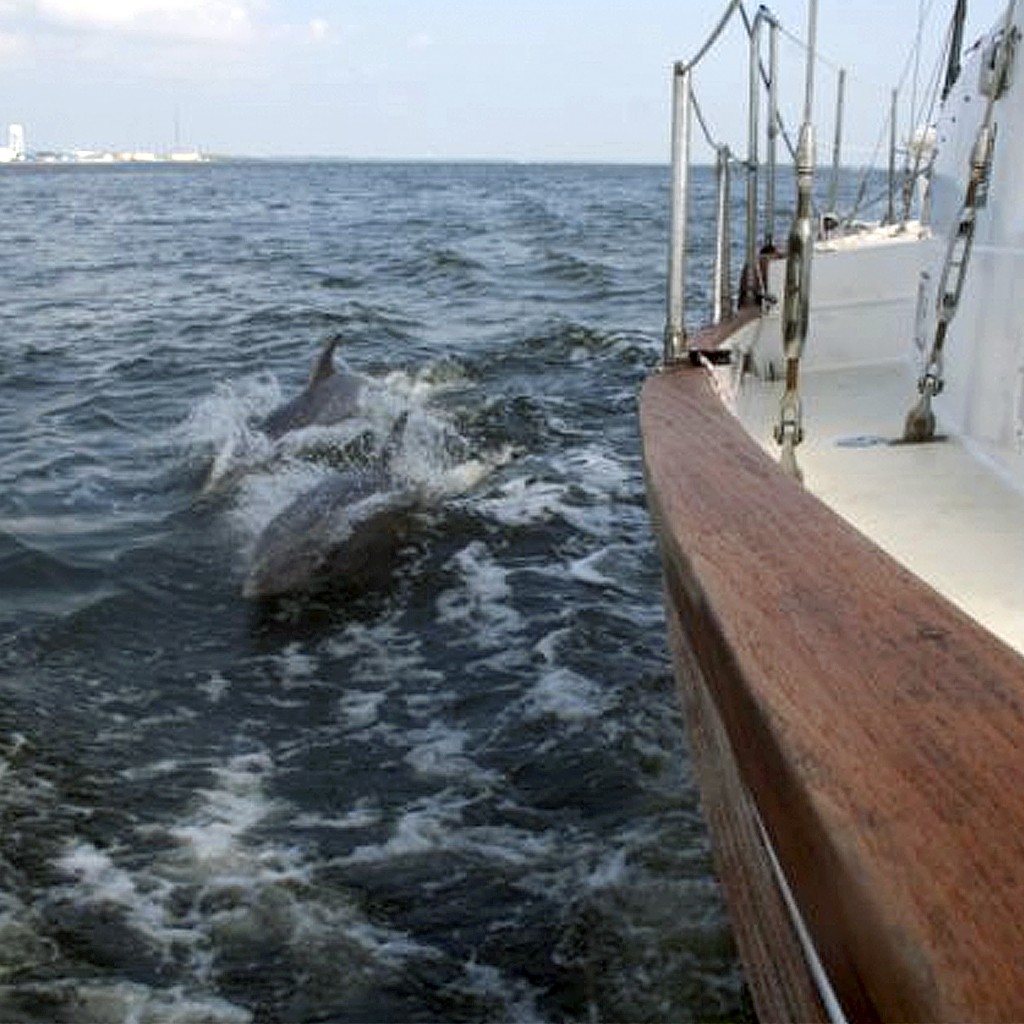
<point>862,302</point>
<point>984,351</point>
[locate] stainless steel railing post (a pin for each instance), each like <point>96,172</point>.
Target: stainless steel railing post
<point>837,143</point>
<point>773,134</point>
<point>750,283</point>
<point>721,304</point>
<point>890,216</point>
<point>675,329</point>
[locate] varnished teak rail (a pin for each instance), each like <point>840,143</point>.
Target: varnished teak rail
<point>877,729</point>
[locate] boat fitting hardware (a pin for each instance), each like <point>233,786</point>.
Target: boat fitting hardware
<point>790,429</point>
<point>796,305</point>
<point>996,74</point>
<point>920,421</point>
<point>714,356</point>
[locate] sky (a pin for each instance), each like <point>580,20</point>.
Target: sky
<point>530,80</point>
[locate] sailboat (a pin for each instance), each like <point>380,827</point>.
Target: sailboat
<point>835,476</point>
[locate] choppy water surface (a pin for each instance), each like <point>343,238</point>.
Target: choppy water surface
<point>461,795</point>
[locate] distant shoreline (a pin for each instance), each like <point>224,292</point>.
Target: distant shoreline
<point>105,158</point>
<point>156,160</point>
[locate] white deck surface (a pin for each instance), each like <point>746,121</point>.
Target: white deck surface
<point>940,511</point>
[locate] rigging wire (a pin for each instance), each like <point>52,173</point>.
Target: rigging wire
<point>716,32</point>
<point>917,148</point>
<point>932,92</point>
<point>911,66</point>
<point>917,60</point>
<point>699,114</point>
<point>765,78</point>
<point>748,24</point>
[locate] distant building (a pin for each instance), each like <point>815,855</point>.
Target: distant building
<point>15,152</point>
<point>15,148</point>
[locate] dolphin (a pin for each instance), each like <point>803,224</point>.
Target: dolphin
<point>341,533</point>
<point>329,397</point>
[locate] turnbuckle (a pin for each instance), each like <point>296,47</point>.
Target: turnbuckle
<point>790,428</point>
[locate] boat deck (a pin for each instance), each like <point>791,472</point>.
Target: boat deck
<point>945,513</point>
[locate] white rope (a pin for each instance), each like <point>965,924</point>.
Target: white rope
<point>820,976</point>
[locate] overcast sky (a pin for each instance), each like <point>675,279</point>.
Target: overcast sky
<point>499,79</point>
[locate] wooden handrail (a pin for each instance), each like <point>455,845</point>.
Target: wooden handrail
<point>878,731</point>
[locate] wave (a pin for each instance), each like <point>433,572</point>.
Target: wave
<point>560,342</point>
<point>41,582</point>
<point>572,268</point>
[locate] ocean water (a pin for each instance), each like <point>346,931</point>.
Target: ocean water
<point>461,793</point>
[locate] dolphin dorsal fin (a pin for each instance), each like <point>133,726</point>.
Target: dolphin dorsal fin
<point>324,367</point>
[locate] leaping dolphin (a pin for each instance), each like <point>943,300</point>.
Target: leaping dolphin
<point>329,397</point>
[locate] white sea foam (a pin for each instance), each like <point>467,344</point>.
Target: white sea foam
<point>597,470</point>
<point>435,460</point>
<point>547,646</point>
<point>295,668</point>
<point>586,570</point>
<point>423,829</point>
<point>611,871</point>
<point>363,814</point>
<point>440,756</point>
<point>586,494</point>
<point>132,1003</point>
<point>524,500</point>
<point>360,709</point>
<point>514,999</point>
<point>566,695</point>
<point>426,381</point>
<point>212,838</point>
<point>435,825</point>
<point>220,425</point>
<point>215,687</point>
<point>210,850</point>
<point>98,875</point>
<point>154,770</point>
<point>440,750</point>
<point>244,399</point>
<point>483,599</point>
<point>217,885</point>
<point>382,655</point>
<point>255,890</point>
<point>100,881</point>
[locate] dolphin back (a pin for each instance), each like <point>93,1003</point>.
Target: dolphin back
<point>330,399</point>
<point>339,532</point>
